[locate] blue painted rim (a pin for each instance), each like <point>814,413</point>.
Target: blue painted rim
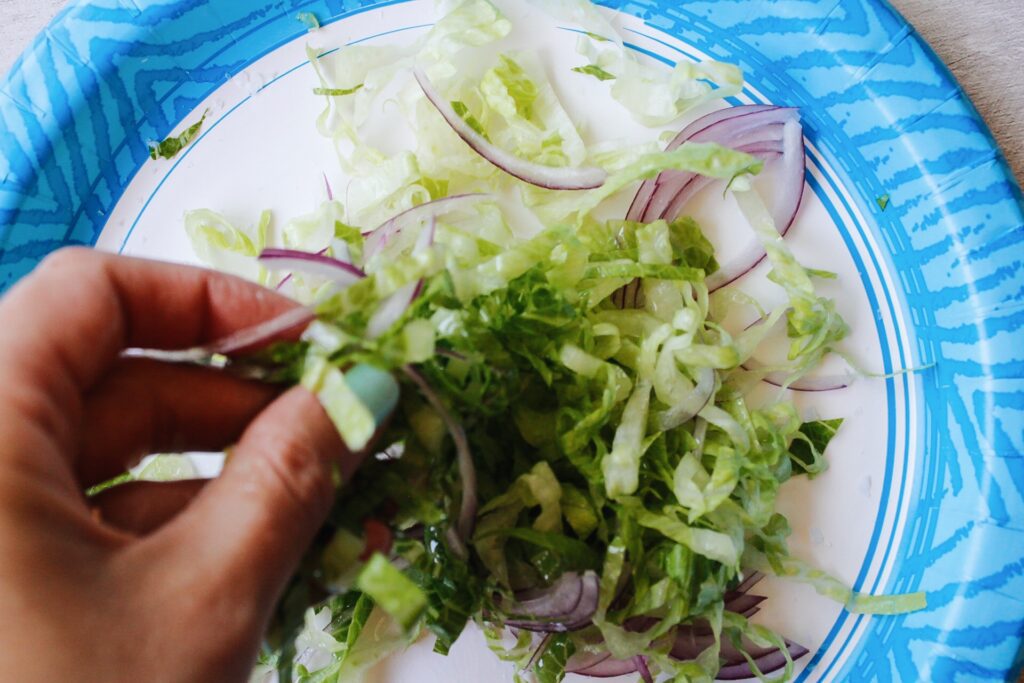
<point>105,76</point>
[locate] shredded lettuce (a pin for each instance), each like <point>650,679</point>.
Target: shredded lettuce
<point>393,592</point>
<point>309,19</point>
<point>595,71</point>
<point>349,414</point>
<point>169,148</point>
<point>221,245</point>
<point>580,359</point>
<point>337,92</point>
<point>812,322</point>
<point>652,95</point>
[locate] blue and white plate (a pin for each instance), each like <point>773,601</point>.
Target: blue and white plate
<point>911,203</point>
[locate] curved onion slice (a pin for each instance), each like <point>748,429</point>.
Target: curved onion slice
<point>787,205</point>
<point>767,661</point>
<point>580,662</point>
<point>550,177</point>
<point>641,667</point>
<point>689,644</point>
<point>765,150</point>
<point>735,132</point>
<point>392,308</point>
<point>247,339</point>
<point>744,603</point>
<point>320,265</point>
<point>467,470</point>
<point>755,129</point>
<point>327,186</point>
<point>558,599</point>
<point>579,616</point>
<point>808,384</point>
<point>379,237</point>
<point>780,378</point>
<point>264,333</point>
<point>288,277</point>
<point>748,582</point>
<point>608,668</point>
<point>643,195</point>
<point>538,652</point>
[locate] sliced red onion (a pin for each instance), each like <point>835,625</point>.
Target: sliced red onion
<point>779,378</point>
<point>248,339</point>
<point>748,582</point>
<point>558,599</point>
<point>755,128</point>
<point>608,668</point>
<point>538,652</point>
<point>288,277</point>
<point>744,603</point>
<point>340,272</point>
<point>689,645</point>
<point>582,661</point>
<point>550,177</point>
<point>714,117</point>
<point>630,295</point>
<point>767,660</point>
<point>765,151</point>
<point>641,667</point>
<point>806,384</point>
<point>381,236</point>
<point>787,205</point>
<point>327,185</point>
<point>694,403</point>
<point>467,470</point>
<point>644,194</point>
<point>548,620</point>
<point>264,333</point>
<point>738,131</point>
<point>393,307</point>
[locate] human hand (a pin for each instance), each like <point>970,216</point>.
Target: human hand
<point>168,582</point>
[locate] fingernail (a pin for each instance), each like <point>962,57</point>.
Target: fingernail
<point>375,388</point>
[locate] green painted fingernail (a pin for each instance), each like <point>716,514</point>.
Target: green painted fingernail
<point>375,388</point>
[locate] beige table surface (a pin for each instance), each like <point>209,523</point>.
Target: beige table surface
<point>982,41</point>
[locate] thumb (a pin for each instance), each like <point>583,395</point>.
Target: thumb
<point>250,526</point>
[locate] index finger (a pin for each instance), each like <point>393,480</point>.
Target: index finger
<point>80,308</point>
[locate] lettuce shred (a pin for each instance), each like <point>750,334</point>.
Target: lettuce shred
<point>169,147</point>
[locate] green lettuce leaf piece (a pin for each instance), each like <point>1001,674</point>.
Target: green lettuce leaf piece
<point>337,92</point>
<point>551,666</point>
<point>353,420</point>
<point>392,590</point>
<point>812,322</point>
<point>169,148</point>
<point>463,111</point>
<point>454,593</point>
<point>595,71</point>
<point>808,448</point>
<point>309,19</point>
<point>221,245</point>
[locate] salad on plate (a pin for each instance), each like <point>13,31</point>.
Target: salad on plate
<point>595,423</point>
